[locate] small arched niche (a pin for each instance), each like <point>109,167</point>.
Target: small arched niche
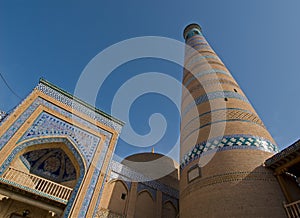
<point>169,210</point>
<point>145,206</point>
<point>51,161</point>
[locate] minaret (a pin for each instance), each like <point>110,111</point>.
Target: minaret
<point>223,142</point>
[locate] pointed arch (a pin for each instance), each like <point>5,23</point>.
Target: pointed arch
<point>42,142</point>
<point>169,209</point>
<point>117,192</point>
<point>145,205</point>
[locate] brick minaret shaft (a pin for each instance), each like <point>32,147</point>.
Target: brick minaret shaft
<point>223,142</point>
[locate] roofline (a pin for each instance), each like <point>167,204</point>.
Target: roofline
<point>78,100</point>
<point>282,154</point>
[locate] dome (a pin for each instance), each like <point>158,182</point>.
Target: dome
<point>154,166</point>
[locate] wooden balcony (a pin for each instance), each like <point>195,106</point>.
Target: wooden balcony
<point>292,209</point>
<point>36,185</point>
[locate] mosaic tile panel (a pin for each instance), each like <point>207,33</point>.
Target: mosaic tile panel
<point>209,83</point>
<point>24,116</point>
<point>225,115</point>
<point>51,140</point>
<point>205,72</point>
<point>193,32</point>
<point>213,95</point>
<point>52,164</point>
<point>48,125</point>
<point>226,143</point>
<point>131,175</point>
<point>77,106</point>
<point>199,58</point>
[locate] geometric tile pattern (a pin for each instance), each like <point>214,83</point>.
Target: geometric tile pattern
<point>209,83</point>
<point>77,106</point>
<point>205,72</point>
<point>200,58</point>
<point>48,125</point>
<point>213,95</point>
<point>51,140</point>
<point>220,115</point>
<point>52,164</point>
<point>84,145</point>
<point>126,173</point>
<point>227,143</point>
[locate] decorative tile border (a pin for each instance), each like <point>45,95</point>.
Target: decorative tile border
<point>205,72</point>
<point>213,95</point>
<point>25,115</point>
<point>227,143</point>
<point>51,140</point>
<point>209,83</point>
<point>219,115</point>
<point>78,107</point>
<point>48,125</point>
<point>126,173</point>
<point>200,58</point>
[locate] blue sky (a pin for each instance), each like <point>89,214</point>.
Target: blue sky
<point>257,40</point>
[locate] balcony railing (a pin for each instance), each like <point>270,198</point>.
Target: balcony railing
<point>292,209</point>
<point>36,185</point>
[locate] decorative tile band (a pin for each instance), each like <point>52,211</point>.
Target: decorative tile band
<point>209,83</point>
<point>200,58</point>
<point>24,116</point>
<point>127,173</point>
<point>51,140</point>
<point>77,106</point>
<point>193,32</point>
<point>48,125</point>
<point>227,143</point>
<point>213,95</point>
<point>213,111</point>
<point>225,115</point>
<point>205,72</point>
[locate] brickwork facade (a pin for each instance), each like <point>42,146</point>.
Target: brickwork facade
<point>224,143</point>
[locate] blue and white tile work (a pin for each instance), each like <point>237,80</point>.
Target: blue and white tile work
<point>71,147</point>
<point>50,163</point>
<point>227,143</point>
<point>48,125</point>
<point>122,172</point>
<point>49,128</point>
<point>213,95</point>
<point>78,107</point>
